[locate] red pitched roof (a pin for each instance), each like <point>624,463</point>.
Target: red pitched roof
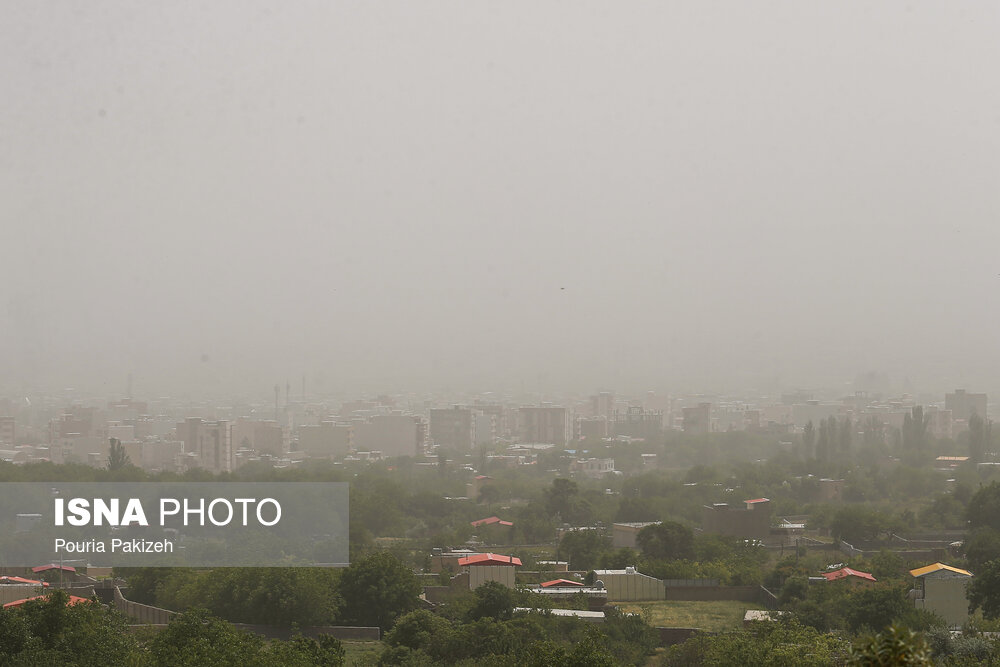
<point>488,559</point>
<point>845,572</point>
<point>757,500</point>
<point>489,521</point>
<point>73,599</point>
<point>52,566</point>
<point>22,580</point>
<point>560,582</point>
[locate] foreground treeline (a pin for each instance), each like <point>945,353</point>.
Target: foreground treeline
<point>50,632</point>
<point>481,629</point>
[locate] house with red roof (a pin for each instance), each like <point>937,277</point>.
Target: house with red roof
<point>490,521</point>
<point>850,575</point>
<point>490,567</point>
<point>53,566</point>
<point>73,599</point>
<point>21,581</point>
<point>560,583</point>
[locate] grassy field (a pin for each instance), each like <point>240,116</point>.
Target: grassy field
<point>361,652</point>
<point>710,616</point>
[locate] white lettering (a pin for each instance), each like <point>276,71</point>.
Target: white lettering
<point>79,511</point>
<point>277,511</point>
<point>211,515</point>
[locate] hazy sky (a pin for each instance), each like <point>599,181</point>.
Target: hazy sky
<point>387,195</point>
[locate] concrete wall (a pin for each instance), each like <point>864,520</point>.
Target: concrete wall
<point>480,574</point>
<point>17,592</point>
<point>143,613</point>
<point>711,593</point>
<point>631,587</point>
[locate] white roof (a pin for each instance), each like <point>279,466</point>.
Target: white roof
<point>565,612</point>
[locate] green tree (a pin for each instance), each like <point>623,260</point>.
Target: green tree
<point>845,437</point>
<point>50,632</point>
<point>808,440</point>
<point>894,647</point>
<point>377,589</point>
<point>981,547</point>
<point>417,630</point>
<point>666,541</point>
<point>873,432</point>
<point>984,507</point>
<point>979,437</point>
<point>583,548</point>
<point>856,523</point>
<point>875,608</point>
<point>984,590</point>
<point>117,458</point>
<point>766,644</point>
<point>197,638</point>
<point>561,497</point>
<point>492,600</point>
<point>915,436</point>
<point>823,442</point>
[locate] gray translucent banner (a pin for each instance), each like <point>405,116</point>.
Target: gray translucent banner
<point>210,524</point>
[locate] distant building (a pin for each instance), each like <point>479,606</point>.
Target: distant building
<point>940,423</point>
<point>490,567</point>
<point>698,420</point>
<point>264,436</point>
<point>475,487</point>
<point>594,468</point>
<point>602,405</point>
<point>624,534</point>
<point>486,430</point>
<point>395,434</point>
<point>814,411</point>
<point>207,444</point>
<point>543,424</point>
<point>75,448</point>
<point>156,455</point>
<point>638,423</point>
<point>941,589</point>
<point>453,428</point>
<point>77,421</point>
<point>830,490</point>
<point>326,440</point>
<point>963,404</point>
<point>591,428</point>
<point>751,521</point>
<point>499,418</point>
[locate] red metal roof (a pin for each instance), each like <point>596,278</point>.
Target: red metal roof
<point>560,582</point>
<point>51,566</point>
<point>73,599</point>
<point>22,580</point>
<point>488,559</point>
<point>847,572</point>
<point>489,521</point>
<point>757,500</point>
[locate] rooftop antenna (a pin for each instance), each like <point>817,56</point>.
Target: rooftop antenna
<point>277,395</point>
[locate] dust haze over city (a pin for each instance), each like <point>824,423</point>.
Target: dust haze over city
<point>526,334</point>
<point>523,197</point>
